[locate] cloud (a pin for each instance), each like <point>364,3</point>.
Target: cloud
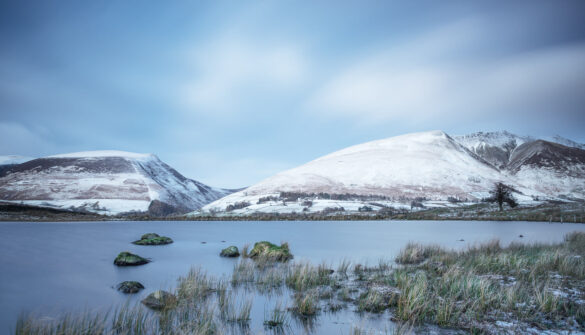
<point>223,169</point>
<point>442,74</point>
<point>234,70</point>
<point>19,140</point>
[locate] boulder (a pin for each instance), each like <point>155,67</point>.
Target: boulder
<point>272,252</point>
<point>153,239</point>
<point>130,287</point>
<point>231,251</point>
<point>160,300</point>
<point>126,258</point>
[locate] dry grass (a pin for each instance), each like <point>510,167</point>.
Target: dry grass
<point>415,253</point>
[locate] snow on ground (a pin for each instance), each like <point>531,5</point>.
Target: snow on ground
<point>314,205</point>
<point>544,182</point>
<point>99,206</point>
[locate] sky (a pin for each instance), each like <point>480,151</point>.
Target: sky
<point>232,92</point>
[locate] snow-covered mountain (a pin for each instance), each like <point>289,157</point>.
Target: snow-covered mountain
<point>495,147</point>
<point>108,182</point>
<point>7,162</point>
<point>431,167</point>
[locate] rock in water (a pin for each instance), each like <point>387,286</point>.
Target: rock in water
<point>126,258</point>
<point>149,236</point>
<point>231,251</point>
<point>130,287</point>
<point>272,252</point>
<point>153,239</point>
<point>160,300</point>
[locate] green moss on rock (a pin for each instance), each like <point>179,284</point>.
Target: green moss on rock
<point>231,251</point>
<point>153,239</point>
<point>126,258</point>
<point>270,251</point>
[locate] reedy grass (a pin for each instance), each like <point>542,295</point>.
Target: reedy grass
<point>132,320</point>
<point>356,330</point>
<point>372,301</point>
<point>190,319</point>
<point>304,276</point>
<point>305,303</point>
<point>271,278</point>
<point>235,310</point>
<point>245,252</point>
<point>471,284</point>
<point>277,317</point>
<point>415,253</point>
<point>243,272</point>
<point>196,286</point>
<point>343,267</point>
<point>68,324</point>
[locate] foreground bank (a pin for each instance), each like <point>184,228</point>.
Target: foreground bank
<point>487,288</point>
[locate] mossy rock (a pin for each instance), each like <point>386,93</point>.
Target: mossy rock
<point>126,258</point>
<point>231,251</point>
<point>268,251</point>
<point>130,287</point>
<point>148,236</point>
<point>153,239</point>
<point>159,300</point>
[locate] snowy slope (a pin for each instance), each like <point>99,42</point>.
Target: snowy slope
<point>498,147</point>
<point>430,165</point>
<point>494,147</point>
<point>549,169</point>
<point>108,182</point>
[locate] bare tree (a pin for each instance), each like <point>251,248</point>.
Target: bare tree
<point>501,194</point>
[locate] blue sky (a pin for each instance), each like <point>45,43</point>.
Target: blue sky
<point>231,92</point>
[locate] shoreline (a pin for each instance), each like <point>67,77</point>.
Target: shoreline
<point>550,212</point>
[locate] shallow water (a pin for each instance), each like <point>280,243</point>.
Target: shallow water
<point>48,268</point>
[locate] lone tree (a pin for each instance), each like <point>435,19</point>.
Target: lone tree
<point>502,193</point>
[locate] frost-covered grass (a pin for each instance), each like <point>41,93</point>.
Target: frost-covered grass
<point>487,282</point>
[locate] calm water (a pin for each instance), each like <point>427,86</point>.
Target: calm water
<point>52,267</point>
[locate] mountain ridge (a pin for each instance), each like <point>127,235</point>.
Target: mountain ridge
<point>107,182</point>
<point>433,166</point>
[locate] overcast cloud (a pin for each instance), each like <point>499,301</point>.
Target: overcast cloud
<point>230,93</point>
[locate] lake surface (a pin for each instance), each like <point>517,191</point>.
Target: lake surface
<point>48,268</point>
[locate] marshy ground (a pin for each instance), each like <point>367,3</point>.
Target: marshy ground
<point>486,288</point>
